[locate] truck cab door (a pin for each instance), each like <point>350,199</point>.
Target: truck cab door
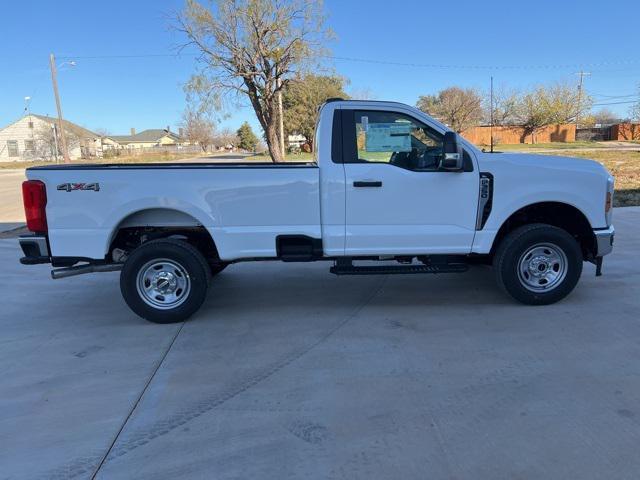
<point>397,198</point>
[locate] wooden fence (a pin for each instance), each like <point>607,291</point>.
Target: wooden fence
<point>517,134</point>
<point>552,133</point>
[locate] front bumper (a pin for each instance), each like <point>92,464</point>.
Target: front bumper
<point>604,241</point>
<point>35,249</point>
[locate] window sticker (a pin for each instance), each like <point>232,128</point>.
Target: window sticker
<point>365,123</point>
<point>388,137</point>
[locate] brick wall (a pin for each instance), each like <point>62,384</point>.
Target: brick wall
<point>625,131</point>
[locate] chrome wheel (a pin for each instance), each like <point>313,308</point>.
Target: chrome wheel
<point>163,284</point>
<point>542,267</point>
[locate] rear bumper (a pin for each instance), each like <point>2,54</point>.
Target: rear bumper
<point>604,241</point>
<point>35,249</point>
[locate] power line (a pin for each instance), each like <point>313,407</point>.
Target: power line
<point>139,55</point>
<point>609,97</point>
<point>631,62</point>
<point>615,103</point>
<point>486,67</point>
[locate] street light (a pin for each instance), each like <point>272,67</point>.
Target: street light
<point>27,100</point>
<point>54,81</point>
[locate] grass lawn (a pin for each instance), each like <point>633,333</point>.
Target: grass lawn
<point>544,146</point>
<point>625,167</point>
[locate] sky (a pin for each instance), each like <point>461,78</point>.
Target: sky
<point>520,44</point>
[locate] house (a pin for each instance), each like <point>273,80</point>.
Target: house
<point>151,138</point>
<point>36,137</point>
<point>296,140</point>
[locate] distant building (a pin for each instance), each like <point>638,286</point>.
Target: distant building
<point>35,137</point>
<point>296,140</point>
<point>146,139</point>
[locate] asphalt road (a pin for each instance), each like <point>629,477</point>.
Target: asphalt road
<point>11,209</point>
<point>290,372</point>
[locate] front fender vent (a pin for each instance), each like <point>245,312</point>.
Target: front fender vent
<point>485,201</point>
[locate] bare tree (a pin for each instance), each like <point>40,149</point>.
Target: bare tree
<point>225,138</point>
<point>505,105</point>
<point>634,111</point>
<point>252,48</point>
<point>604,116</point>
<point>364,93</point>
<point>198,128</point>
<point>103,132</point>
<point>47,146</point>
<point>459,108</point>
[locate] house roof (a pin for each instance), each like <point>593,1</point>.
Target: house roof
<point>75,129</point>
<point>151,136</point>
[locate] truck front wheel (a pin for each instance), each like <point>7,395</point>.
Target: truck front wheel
<point>538,264</point>
<point>165,281</point>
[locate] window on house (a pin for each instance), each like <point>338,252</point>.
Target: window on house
<point>12,148</point>
<point>28,146</point>
<point>31,125</point>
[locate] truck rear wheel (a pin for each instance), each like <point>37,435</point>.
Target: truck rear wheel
<point>538,264</point>
<point>165,281</point>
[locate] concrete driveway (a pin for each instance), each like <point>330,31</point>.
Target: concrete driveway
<point>290,372</point>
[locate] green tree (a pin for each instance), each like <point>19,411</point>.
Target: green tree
<point>301,100</point>
<point>250,49</point>
<point>459,108</point>
<point>247,140</point>
<point>548,105</point>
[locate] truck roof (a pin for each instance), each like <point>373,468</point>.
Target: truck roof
<point>348,100</point>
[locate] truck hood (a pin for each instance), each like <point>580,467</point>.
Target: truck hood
<point>529,160</point>
<point>522,179</point>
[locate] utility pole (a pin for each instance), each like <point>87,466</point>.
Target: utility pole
<point>491,114</point>
<point>54,81</point>
<point>27,110</point>
<point>280,116</point>
<point>582,75</point>
<point>55,141</point>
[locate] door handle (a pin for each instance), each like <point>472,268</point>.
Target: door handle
<point>367,183</point>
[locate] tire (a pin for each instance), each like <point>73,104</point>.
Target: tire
<point>165,281</point>
<point>538,264</point>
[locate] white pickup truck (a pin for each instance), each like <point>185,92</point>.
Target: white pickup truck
<point>391,191</point>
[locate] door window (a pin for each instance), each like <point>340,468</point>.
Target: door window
<point>396,139</point>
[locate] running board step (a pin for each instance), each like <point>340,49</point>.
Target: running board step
<point>397,269</point>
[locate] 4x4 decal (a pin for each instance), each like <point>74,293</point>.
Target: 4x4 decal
<point>70,187</point>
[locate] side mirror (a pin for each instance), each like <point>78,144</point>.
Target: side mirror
<point>452,156</point>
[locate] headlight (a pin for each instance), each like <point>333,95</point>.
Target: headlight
<point>608,202</point>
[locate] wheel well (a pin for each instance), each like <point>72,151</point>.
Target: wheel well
<point>139,228</point>
<point>129,238</point>
<point>558,214</point>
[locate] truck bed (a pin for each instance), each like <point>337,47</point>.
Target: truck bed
<point>245,206</point>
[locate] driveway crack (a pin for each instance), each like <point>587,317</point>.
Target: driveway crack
<point>137,402</point>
